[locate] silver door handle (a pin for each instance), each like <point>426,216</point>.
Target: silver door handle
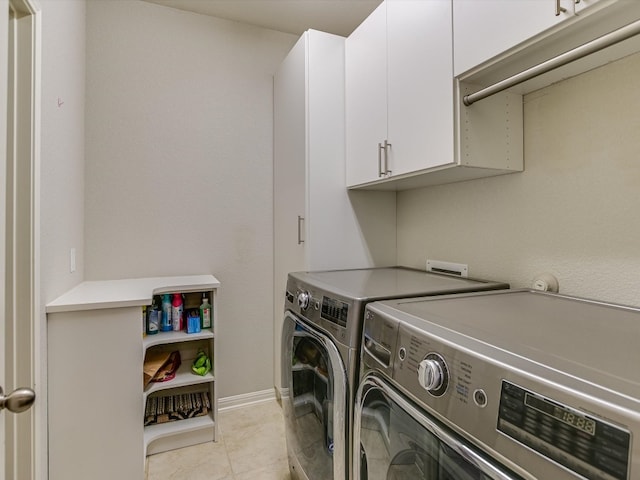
<point>17,401</point>
<point>560,9</point>
<point>383,167</point>
<point>300,239</point>
<point>386,158</point>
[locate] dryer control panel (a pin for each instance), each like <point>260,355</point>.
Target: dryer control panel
<point>573,438</point>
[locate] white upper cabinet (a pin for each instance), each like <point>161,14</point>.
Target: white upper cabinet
<point>411,63</point>
<point>498,38</point>
<point>420,88</point>
<point>483,29</point>
<point>405,127</point>
<point>399,91</point>
<point>366,97</point>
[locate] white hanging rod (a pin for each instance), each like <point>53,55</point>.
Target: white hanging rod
<point>588,48</point>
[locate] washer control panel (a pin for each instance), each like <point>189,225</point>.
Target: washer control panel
<point>330,312</point>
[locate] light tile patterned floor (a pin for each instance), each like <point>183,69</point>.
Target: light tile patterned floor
<point>251,447</point>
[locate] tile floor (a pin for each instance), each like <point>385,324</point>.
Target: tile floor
<point>251,447</point>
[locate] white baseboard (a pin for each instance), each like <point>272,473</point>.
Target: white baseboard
<point>238,401</point>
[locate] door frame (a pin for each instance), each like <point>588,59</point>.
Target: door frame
<point>22,364</point>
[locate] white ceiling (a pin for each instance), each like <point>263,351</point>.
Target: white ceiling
<point>340,17</point>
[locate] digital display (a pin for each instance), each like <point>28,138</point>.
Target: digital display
<point>563,414</point>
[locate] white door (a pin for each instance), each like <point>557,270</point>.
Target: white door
<point>18,140</point>
<point>420,86</point>
<point>366,98</point>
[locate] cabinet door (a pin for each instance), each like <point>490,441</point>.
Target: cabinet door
<point>289,176</point>
<point>94,402</point>
<point>290,159</point>
<point>420,85</point>
<point>366,97</point>
<point>483,29</point>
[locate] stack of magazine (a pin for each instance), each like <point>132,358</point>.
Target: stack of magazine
<point>176,407</point>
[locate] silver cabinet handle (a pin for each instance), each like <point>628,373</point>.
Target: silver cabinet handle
<point>300,220</point>
<point>560,9</point>
<point>17,401</point>
<point>383,166</point>
<point>387,145</point>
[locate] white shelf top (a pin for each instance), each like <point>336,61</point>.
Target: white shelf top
<point>184,378</point>
<point>163,338</point>
<point>160,430</point>
<point>98,294</point>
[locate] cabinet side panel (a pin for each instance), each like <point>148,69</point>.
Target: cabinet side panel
<point>492,131</point>
<point>95,394</point>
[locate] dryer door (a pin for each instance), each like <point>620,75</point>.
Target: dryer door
<point>313,397</point>
<point>398,441</point>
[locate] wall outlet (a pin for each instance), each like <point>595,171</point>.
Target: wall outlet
<point>455,269</point>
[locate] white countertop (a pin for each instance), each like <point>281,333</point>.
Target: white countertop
<point>92,295</point>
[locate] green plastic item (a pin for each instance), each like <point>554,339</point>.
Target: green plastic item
<point>201,364</point>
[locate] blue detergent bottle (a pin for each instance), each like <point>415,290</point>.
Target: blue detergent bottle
<point>165,323</point>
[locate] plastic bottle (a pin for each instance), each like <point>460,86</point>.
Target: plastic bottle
<point>166,323</point>
<point>205,313</point>
<point>152,320</point>
<point>176,312</point>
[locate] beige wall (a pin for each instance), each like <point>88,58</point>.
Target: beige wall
<point>179,164</point>
<point>62,147</point>
<point>575,210</point>
<point>61,195</point>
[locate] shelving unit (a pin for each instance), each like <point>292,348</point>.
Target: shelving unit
<point>176,434</point>
<point>184,376</point>
<point>96,351</point>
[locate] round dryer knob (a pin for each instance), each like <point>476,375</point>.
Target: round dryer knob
<point>303,300</point>
<point>433,375</point>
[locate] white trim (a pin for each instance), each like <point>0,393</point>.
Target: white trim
<point>4,111</point>
<point>245,399</point>
<point>40,459</point>
<point>39,453</point>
